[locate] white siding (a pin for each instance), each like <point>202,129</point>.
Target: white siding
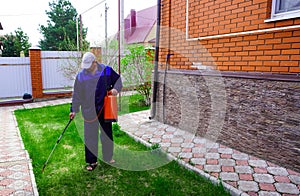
<point>15,78</point>
<point>52,62</point>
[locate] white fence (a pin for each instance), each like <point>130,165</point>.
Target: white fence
<point>15,76</point>
<point>53,64</point>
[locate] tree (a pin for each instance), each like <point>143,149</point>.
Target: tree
<point>13,44</point>
<point>110,54</point>
<point>61,32</point>
<point>72,67</point>
<point>137,69</point>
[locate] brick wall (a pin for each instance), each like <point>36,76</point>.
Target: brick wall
<point>229,36</point>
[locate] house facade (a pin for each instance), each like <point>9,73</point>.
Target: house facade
<point>229,71</point>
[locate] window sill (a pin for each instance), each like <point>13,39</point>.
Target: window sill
<point>283,16</point>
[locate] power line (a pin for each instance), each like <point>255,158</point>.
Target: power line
<point>93,7</point>
<point>79,43</point>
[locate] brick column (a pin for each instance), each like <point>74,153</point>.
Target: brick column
<point>36,72</point>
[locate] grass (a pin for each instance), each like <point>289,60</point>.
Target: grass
<point>132,103</point>
<point>135,172</point>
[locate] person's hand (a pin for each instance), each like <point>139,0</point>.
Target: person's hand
<point>113,92</point>
<point>72,115</point>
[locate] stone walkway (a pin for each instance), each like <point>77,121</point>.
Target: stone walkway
<point>16,177</point>
<point>241,173</point>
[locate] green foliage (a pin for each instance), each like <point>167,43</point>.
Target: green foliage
<point>155,146</point>
<point>60,34</point>
<point>137,69</point>
<point>117,130</point>
<point>13,44</point>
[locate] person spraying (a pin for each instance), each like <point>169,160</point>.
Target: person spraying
<point>91,85</point>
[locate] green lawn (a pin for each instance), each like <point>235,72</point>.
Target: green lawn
<point>65,173</point>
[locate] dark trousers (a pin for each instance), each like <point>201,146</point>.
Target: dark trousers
<point>91,138</point>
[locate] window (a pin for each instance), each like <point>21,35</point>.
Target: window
<point>285,9</point>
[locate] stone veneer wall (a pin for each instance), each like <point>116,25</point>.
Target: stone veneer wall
<point>254,113</point>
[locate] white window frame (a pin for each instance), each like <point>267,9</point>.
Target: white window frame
<point>283,15</point>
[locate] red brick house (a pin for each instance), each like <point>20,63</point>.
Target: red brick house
<point>233,76</point>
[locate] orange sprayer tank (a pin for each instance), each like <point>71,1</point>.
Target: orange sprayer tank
<point>110,108</point>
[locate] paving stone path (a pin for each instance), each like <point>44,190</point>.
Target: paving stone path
<point>241,173</point>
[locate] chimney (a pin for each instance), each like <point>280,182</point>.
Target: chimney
<point>132,21</point>
<point>127,28</point>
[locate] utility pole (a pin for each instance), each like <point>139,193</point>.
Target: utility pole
<point>120,39</point>
<point>77,34</point>
<point>80,19</point>
<point>106,40</point>
<point>122,28</point>
<point>120,31</point>
<point>119,36</point>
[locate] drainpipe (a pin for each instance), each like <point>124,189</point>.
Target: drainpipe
<point>164,86</point>
<point>155,83</point>
<point>167,67</point>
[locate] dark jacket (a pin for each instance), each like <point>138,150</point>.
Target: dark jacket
<point>89,90</point>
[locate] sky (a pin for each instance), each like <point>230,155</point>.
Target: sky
<point>30,14</point>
